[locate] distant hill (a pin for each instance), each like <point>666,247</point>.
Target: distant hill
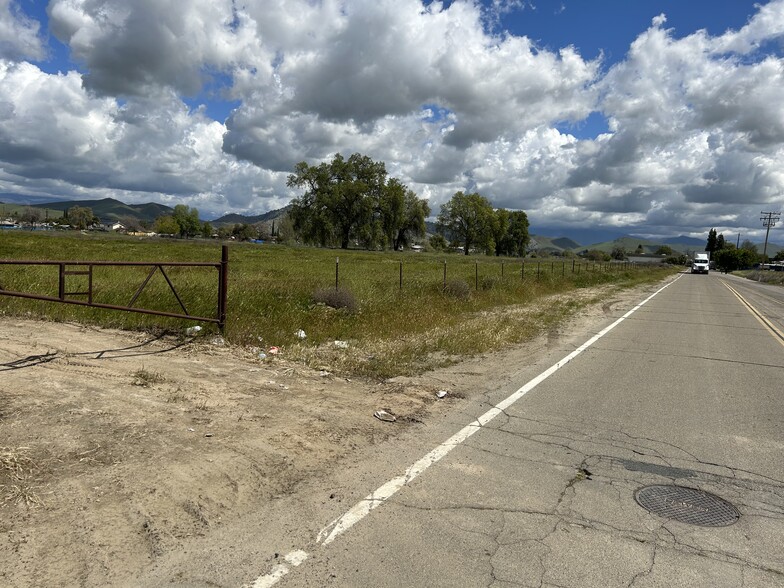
<point>630,244</point>
<point>565,243</point>
<point>688,241</point>
<point>109,209</point>
<point>239,219</point>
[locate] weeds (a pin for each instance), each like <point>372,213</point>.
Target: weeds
<point>177,396</point>
<point>339,298</point>
<point>15,464</point>
<point>402,312</point>
<point>458,289</point>
<point>143,377</point>
<point>767,277</point>
<point>17,467</point>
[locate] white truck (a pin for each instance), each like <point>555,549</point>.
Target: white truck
<point>701,263</point>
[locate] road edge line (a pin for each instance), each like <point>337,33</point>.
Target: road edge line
<point>384,492</point>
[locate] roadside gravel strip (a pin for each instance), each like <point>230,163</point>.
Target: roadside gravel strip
<point>377,498</point>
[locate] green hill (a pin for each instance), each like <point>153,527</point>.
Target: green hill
<point>110,209</point>
<point>235,219</point>
<point>565,243</point>
<point>631,244</point>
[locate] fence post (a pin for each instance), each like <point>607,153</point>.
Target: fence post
<point>563,268</point>
<point>223,287</point>
<point>522,271</point>
<point>573,262</point>
<point>445,274</point>
<point>476,275</point>
<point>502,269</point>
<point>538,268</point>
<point>61,288</point>
<point>401,275</point>
<point>337,272</point>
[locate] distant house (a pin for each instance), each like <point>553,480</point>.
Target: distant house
<point>110,226</point>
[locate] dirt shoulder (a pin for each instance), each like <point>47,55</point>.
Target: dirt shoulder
<point>118,449</point>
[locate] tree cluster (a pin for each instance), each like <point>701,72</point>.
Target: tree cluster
<point>470,221</point>
<point>727,256</point>
<point>353,201</point>
<point>80,217</point>
<point>183,222</point>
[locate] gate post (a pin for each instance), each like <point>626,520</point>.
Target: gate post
<point>223,287</point>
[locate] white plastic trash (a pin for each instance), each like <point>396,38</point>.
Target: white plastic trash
<point>385,416</point>
<point>190,331</point>
<point>341,344</point>
<point>300,334</point>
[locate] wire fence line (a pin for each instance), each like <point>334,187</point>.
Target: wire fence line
<point>503,270</point>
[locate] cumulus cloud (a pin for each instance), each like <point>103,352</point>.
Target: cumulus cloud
<point>692,120</point>
<point>54,131</point>
<point>137,48</point>
<point>19,34</point>
<point>438,91</point>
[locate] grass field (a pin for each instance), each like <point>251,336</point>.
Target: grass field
<point>275,291</point>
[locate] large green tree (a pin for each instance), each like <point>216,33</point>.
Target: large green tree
<point>352,199</point>
<point>412,220</point>
<point>187,220</point>
<point>339,198</point>
<point>730,259</point>
<point>468,220</point>
<point>518,232</point>
<point>501,245</point>
<point>166,225</point>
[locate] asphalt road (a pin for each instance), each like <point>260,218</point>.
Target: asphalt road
<point>687,390</point>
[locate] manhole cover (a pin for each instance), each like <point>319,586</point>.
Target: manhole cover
<point>687,505</point>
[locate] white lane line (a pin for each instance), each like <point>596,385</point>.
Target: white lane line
<point>292,559</point>
<point>375,499</point>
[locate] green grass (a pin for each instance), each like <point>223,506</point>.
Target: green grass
<point>392,330</point>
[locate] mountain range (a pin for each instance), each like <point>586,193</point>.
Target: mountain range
<point>546,239</point>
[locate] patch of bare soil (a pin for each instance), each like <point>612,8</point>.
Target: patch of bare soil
<point>118,448</point>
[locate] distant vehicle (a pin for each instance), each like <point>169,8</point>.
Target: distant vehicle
<point>701,264</point>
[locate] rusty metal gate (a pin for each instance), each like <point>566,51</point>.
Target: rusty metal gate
<point>85,268</point>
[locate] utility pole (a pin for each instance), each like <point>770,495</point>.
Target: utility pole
<point>768,221</point>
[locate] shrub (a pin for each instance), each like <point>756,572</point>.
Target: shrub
<point>489,282</point>
<point>336,298</point>
<point>457,289</point>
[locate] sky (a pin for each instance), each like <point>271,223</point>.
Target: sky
<point>652,117</point>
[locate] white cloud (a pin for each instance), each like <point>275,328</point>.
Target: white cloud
<point>54,132</point>
<point>437,92</point>
<point>19,34</point>
<point>137,48</point>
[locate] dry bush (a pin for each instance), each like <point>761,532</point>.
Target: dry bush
<point>489,282</point>
<point>336,298</point>
<point>457,289</point>
<point>17,467</point>
<point>14,463</point>
<point>146,378</point>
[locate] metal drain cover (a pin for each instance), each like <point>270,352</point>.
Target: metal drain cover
<point>687,505</point>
